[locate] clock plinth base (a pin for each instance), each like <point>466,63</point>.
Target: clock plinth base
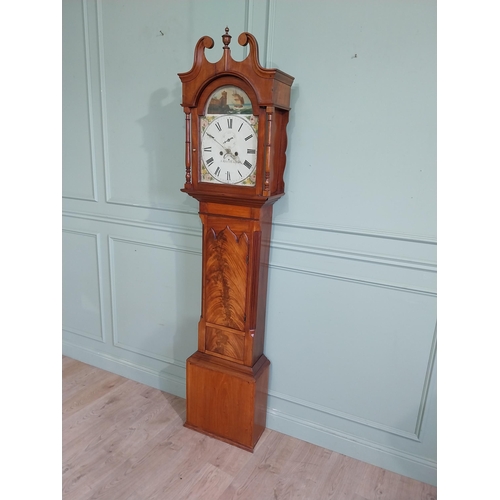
<point>226,400</point>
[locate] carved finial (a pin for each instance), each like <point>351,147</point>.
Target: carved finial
<point>226,38</point>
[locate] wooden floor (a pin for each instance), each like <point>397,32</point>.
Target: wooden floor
<point>126,441</point>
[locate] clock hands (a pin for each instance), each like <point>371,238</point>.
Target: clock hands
<point>228,151</point>
<point>236,148</point>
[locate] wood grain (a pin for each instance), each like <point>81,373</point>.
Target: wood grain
<point>229,344</point>
<point>226,277</point>
<point>269,91</point>
<point>236,234</point>
<point>227,400</point>
<point>125,441</point>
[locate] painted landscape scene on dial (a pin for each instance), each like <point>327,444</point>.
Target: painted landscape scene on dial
<point>229,100</point>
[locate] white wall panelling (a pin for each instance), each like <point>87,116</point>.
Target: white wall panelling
<point>153,307</point>
<point>351,324</point>
<point>362,135</point>
<point>368,361</point>
<point>79,154</point>
<point>82,277</point>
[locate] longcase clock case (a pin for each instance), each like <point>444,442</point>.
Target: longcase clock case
<point>236,186</point>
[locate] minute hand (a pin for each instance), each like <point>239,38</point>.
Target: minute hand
<point>223,147</point>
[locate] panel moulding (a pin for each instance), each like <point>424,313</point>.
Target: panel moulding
<point>116,341</point>
<point>124,221</point>
<point>369,233</point>
<point>427,382</point>
<point>271,18</point>
<point>415,436</point>
<point>415,265</point>
<point>357,281</point>
<point>166,208</point>
<point>101,337</point>
<point>86,35</point>
<point>102,79</point>
<point>344,416</point>
<point>261,14</point>
<point>89,99</point>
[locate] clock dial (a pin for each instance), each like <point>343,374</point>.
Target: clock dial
<point>229,149</point>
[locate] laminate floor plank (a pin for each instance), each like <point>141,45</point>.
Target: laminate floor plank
<point>306,473</point>
<point>232,459</point>
<point>380,484</point>
<point>137,464</point>
<point>387,486</point>
<point>409,489</point>
<point>210,482</point>
<point>116,439</point>
<point>194,477</point>
<point>345,475</point>
<point>95,384</point>
<point>93,421</point>
<point>266,472</point>
<point>74,377</point>
<point>370,486</point>
<point>182,471</point>
<point>70,365</point>
<point>75,374</point>
<point>126,441</point>
<point>162,464</point>
<point>95,437</point>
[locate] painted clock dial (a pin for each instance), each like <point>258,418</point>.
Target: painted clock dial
<point>228,138</point>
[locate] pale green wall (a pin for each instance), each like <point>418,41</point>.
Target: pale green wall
<point>351,327</point>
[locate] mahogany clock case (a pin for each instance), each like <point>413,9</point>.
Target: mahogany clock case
<point>227,378</point>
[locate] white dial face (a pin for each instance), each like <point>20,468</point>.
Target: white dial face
<point>229,150</point>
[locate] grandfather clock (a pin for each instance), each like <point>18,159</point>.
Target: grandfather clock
<point>236,117</point>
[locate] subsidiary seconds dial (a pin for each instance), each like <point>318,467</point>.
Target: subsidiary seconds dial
<point>229,149</point>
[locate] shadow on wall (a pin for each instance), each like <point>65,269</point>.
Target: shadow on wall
<point>179,271</point>
<point>282,207</point>
<point>163,140</point>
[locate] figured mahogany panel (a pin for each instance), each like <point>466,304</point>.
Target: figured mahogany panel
<point>225,343</point>
<point>226,267</point>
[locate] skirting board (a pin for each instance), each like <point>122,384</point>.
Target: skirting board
<point>381,456</point>
<point>366,451</point>
<point>163,381</point>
